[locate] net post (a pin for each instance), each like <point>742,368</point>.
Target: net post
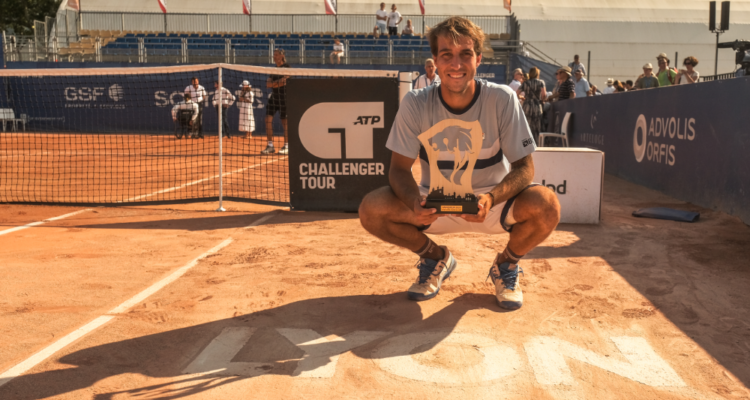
<point>220,104</point>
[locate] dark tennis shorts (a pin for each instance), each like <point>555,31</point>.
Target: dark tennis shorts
<point>276,103</point>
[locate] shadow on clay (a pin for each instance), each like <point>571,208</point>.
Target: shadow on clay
<point>168,354</point>
<point>225,221</point>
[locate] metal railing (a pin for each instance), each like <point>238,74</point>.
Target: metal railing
<point>291,23</point>
<point>719,77</point>
<point>185,51</point>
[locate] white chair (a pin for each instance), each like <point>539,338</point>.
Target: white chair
<point>24,118</point>
<point>563,132</point>
<point>6,114</point>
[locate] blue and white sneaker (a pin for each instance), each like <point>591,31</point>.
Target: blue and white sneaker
<point>431,276</point>
<point>507,288</point>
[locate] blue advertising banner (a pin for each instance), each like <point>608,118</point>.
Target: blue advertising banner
<point>690,142</point>
<point>140,103</point>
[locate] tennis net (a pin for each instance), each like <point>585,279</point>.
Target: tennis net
<point>113,136</point>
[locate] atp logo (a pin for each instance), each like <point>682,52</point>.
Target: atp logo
<point>341,130</point>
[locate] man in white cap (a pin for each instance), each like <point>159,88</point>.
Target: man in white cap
<point>245,104</point>
<point>647,80</point>
<point>610,86</point>
<point>665,75</point>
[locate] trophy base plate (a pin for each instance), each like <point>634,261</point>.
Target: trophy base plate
<point>453,207</point>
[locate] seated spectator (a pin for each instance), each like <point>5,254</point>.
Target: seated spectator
<point>647,80</point>
<point>338,52</point>
<point>517,79</point>
<point>610,86</point>
<point>582,85</point>
<point>628,85</point>
<point>408,29</point>
<point>594,91</point>
<point>187,104</point>
<point>688,75</point>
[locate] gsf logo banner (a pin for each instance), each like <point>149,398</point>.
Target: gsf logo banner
<point>337,134</point>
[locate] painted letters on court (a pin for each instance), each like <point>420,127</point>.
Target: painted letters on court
<point>546,355</point>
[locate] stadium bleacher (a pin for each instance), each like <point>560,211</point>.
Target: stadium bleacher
<point>259,45</point>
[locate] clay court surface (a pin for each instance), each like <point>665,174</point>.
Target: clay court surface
<point>132,168</point>
<point>306,305</point>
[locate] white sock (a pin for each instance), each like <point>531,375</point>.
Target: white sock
<point>270,143</point>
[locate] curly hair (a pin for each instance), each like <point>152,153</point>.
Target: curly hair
<point>455,28</point>
<point>690,60</point>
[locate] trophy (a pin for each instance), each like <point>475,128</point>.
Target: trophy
<point>459,141</point>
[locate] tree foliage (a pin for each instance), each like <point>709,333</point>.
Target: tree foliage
<point>19,15</point>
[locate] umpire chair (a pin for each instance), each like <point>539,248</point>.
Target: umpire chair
<point>183,126</point>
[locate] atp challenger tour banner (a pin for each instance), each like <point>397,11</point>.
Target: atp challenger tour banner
<point>690,141</point>
<point>337,134</point>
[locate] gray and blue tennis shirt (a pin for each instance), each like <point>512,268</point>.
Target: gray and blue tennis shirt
<point>507,137</point>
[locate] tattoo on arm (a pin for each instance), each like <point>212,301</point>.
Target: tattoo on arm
<point>520,175</point>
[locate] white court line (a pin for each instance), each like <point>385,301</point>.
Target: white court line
<point>18,228</point>
<point>48,351</point>
<point>200,180</point>
<point>42,355</point>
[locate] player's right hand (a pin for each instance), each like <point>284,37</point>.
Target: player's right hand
<point>424,216</point>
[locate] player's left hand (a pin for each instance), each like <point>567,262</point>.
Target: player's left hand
<point>485,203</point>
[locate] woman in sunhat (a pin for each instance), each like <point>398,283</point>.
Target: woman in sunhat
<point>245,103</point>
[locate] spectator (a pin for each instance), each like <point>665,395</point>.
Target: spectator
<point>277,102</point>
<point>247,119</point>
<point>619,88</point>
<point>582,85</point>
<point>647,80</point>
<point>688,75</point>
<point>610,86</point>
<point>517,79</point>
<point>408,29</point>
<point>594,91</point>
<point>224,97</point>
<point>430,77</point>
<point>394,18</point>
<point>535,94</point>
<point>338,51</point>
<point>576,65</point>
<point>200,97</point>
<point>381,16</point>
<point>187,104</point>
<point>566,88</point>
<point>628,85</point>
<point>665,74</point>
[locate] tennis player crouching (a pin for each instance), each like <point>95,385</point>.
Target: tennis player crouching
<point>508,201</point>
